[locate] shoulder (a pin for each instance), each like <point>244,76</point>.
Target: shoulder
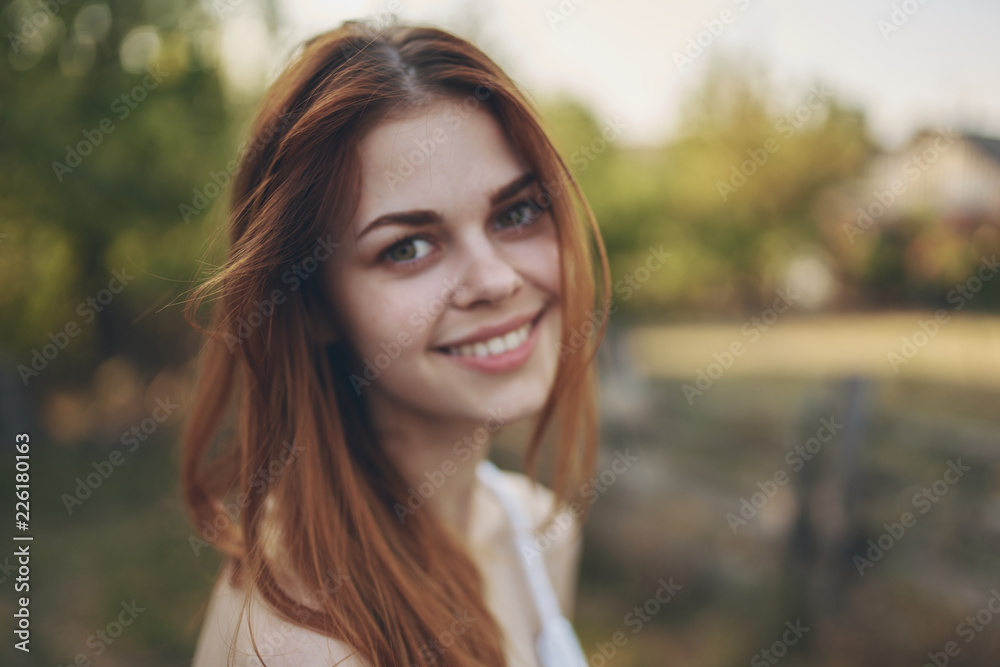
<point>560,543</point>
<point>226,630</point>
<point>537,497</point>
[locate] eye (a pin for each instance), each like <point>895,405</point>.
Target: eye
<point>520,215</point>
<point>407,250</point>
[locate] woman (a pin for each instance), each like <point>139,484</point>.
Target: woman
<point>406,274</point>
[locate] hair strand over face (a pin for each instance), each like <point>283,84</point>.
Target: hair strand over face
<point>303,461</point>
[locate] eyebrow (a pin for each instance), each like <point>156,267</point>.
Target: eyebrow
<point>420,217</point>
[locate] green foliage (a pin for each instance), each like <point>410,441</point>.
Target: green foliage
<point>95,157</point>
<point>727,231</point>
<point>741,190</point>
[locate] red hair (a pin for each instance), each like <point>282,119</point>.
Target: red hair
<point>333,490</point>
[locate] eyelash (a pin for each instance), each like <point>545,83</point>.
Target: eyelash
<point>536,213</point>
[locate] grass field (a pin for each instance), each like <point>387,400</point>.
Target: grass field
<point>665,520</point>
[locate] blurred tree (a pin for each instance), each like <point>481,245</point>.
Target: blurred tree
<point>744,176</point>
<point>731,197</point>
<point>110,113</point>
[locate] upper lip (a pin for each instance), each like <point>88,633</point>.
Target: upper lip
<point>489,331</point>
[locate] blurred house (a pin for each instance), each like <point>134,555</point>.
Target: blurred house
<point>915,223</point>
<point>939,174</point>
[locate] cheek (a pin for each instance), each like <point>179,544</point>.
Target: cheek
<point>540,259</point>
<point>385,325</point>
<point>403,316</point>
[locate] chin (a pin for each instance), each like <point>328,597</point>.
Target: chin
<point>523,405</point>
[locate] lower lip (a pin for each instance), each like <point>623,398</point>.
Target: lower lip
<point>500,363</point>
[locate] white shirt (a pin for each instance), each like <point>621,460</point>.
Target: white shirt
<point>520,572</point>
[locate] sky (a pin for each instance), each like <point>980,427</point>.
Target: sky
<point>908,64</point>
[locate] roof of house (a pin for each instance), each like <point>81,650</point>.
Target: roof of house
<point>989,147</point>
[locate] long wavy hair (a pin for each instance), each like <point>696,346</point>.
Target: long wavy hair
<point>276,429</point>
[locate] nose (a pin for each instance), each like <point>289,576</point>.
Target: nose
<point>485,276</point>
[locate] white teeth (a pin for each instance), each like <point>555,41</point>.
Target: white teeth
<point>496,345</point>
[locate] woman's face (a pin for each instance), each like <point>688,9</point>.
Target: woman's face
<point>447,279</point>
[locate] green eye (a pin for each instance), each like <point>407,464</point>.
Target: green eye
<point>407,250</point>
<point>520,215</point>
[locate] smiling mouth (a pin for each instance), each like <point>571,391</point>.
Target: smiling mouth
<point>496,345</point>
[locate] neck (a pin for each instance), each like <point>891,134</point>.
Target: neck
<point>438,459</point>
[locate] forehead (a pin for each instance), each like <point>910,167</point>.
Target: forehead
<point>446,155</point>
